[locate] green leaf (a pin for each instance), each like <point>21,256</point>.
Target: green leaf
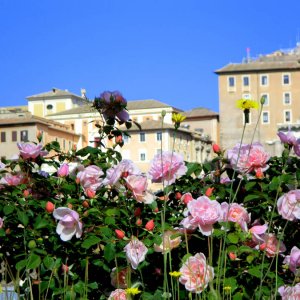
<point>233,238</point>
<point>48,262</point>
<point>8,209</point>
<point>109,252</point>
<point>250,258</point>
<point>33,261</point>
<point>193,168</point>
<point>112,212</point>
<point>256,271</point>
<point>21,264</point>
<point>40,223</point>
<point>90,241</point>
<point>23,218</point>
<point>93,285</point>
<point>231,282</point>
<point>251,197</point>
<point>250,185</point>
<point>110,221</point>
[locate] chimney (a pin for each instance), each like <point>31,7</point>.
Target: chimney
<point>54,90</point>
<point>83,93</point>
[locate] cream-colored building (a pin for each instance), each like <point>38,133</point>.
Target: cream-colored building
<point>79,119</point>
<point>17,126</point>
<point>274,77</point>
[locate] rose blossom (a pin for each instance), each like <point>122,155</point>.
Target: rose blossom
<point>63,170</point>
<point>135,252</point>
<point>186,198</point>
<point>68,224</point>
<point>289,205</point>
<point>1,222</point>
<point>270,245</point>
<point>249,158</point>
<point>123,169</point>
<point>13,180</point>
<point>117,294</point>
<point>113,105</point>
<point>89,178</point>
<point>258,232</point>
<point>165,167</point>
<point>291,140</point>
<point>138,185</point>
<point>203,213</point>
<point>290,292</point>
<point>196,274</point>
<point>168,242</point>
<point>28,150</point>
<point>238,214</point>
<point>293,260</point>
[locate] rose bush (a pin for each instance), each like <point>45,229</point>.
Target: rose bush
<point>93,229</point>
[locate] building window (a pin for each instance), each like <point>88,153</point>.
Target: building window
<point>246,81</point>
<point>49,106</point>
<point>3,137</point>
<point>14,136</point>
<point>264,80</point>
<point>24,136</point>
<point>125,138</point>
<point>64,144</point>
<point>158,136</point>
<point>286,79</point>
<point>142,156</point>
<point>287,116</point>
<point>265,117</point>
<point>231,82</point>
<point>246,96</point>
<point>158,151</point>
<point>287,98</point>
<point>142,137</point>
<point>266,97</point>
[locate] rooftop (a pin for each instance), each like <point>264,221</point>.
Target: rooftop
<point>53,93</point>
<point>131,105</point>
<point>278,60</point>
<point>199,112</point>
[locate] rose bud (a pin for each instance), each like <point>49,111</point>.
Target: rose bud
<point>150,225</point>
<point>49,207</point>
<point>209,191</point>
<point>216,148</point>
<point>119,233</point>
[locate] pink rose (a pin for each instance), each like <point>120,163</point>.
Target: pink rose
<point>290,292</point>
<point>89,178</point>
<point>166,167</point>
<point>118,294</point>
<point>170,240</point>
<point>287,138</point>
<point>196,274</point>
<point>203,213</point>
<point>68,224</point>
<point>28,150</point>
<point>249,158</point>
<point>186,198</point>
<point>270,245</point>
<point>289,205</point>
<point>238,214</point>
<point>258,232</point>
<point>123,169</point>
<point>63,170</point>
<point>138,184</point>
<point>293,260</point>
<point>13,180</point>
<point>135,252</point>
<point>1,222</point>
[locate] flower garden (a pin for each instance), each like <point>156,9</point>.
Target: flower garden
<point>94,229</point>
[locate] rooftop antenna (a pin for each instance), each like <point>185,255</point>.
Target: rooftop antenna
<point>248,54</point>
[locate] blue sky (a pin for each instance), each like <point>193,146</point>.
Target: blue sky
<point>161,49</point>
